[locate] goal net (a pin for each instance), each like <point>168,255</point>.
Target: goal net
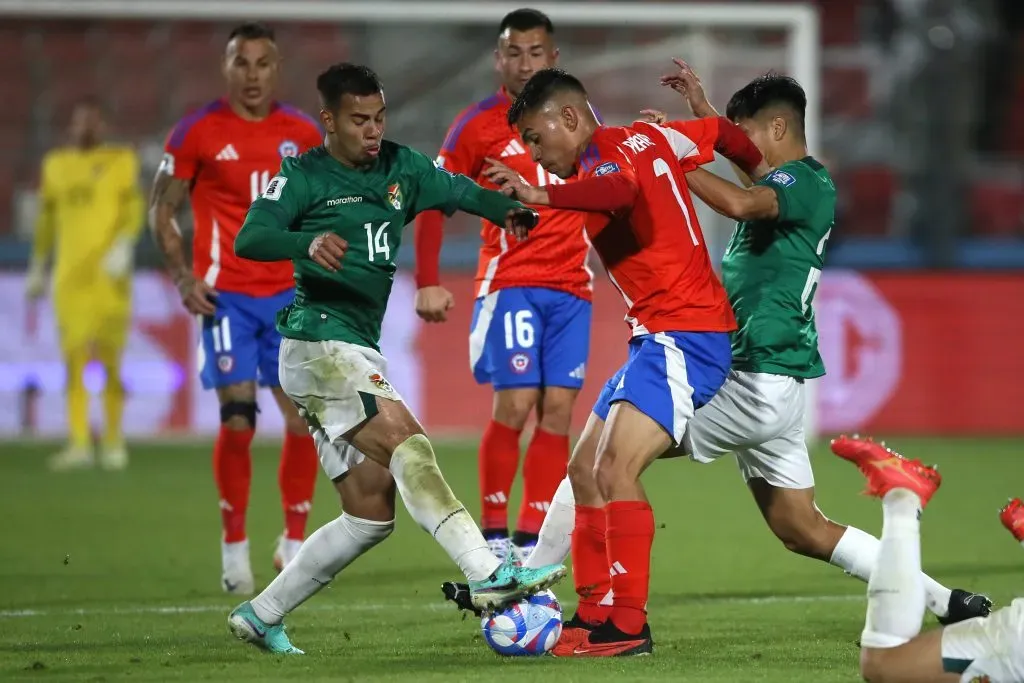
<point>153,60</point>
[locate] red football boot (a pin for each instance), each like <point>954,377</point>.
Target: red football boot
<point>608,641</point>
<point>886,470</point>
<point>1012,517</point>
<point>574,633</point>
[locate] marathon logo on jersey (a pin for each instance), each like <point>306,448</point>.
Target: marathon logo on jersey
<point>167,164</point>
<point>606,168</point>
<point>781,178</point>
<point>274,188</point>
<point>378,381</point>
<point>225,364</point>
<point>344,200</point>
<point>395,196</point>
<point>288,149</point>
<point>519,362</point>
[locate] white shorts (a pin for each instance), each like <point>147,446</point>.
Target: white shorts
<point>335,385</point>
<point>760,418</point>
<point>990,648</point>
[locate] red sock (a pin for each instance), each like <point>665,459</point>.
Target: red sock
<point>544,469</point>
<point>630,537</point>
<point>499,460</point>
<point>232,470</point>
<point>297,478</point>
<point>590,564</point>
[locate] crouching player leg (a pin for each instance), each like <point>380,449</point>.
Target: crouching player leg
<point>356,414</point>
<point>893,650</point>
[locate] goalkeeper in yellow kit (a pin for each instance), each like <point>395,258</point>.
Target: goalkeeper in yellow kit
<point>91,213</point>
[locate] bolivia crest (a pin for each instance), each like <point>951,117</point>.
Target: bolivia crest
<point>395,196</point>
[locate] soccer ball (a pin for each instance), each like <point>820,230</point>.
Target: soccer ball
<point>529,627</point>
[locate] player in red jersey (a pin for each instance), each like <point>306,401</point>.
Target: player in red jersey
<point>223,156</point>
<point>531,322</point>
<point>643,226</point>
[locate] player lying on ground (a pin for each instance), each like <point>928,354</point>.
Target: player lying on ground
<point>642,224</point>
<point>776,250</point>
<point>531,319</point>
<point>222,157</point>
<point>338,211</point>
<point>91,213</point>
<point>893,649</point>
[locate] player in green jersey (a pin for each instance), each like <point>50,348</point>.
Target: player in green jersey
<point>338,211</point>
<point>770,271</point>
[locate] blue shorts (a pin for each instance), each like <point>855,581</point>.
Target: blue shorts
<point>239,343</point>
<point>530,337</point>
<point>668,376</point>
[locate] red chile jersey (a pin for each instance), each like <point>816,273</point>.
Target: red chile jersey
<point>555,255</point>
<point>229,162</point>
<point>654,250</point>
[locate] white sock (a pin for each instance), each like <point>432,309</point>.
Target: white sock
<point>857,553</point>
<point>432,504</point>
<point>555,538</point>
<point>322,556</point>
<point>896,599</point>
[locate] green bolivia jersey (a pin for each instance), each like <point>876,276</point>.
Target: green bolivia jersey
<point>314,193</point>
<point>771,271</point>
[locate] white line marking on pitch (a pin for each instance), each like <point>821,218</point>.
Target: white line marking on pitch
<point>381,607</point>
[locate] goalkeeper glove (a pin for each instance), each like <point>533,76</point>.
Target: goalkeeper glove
<point>35,281</point>
<point>118,260</point>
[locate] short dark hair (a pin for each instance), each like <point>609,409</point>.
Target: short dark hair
<point>771,89</point>
<point>252,30</point>
<point>526,19</point>
<point>346,79</point>
<point>541,87</point>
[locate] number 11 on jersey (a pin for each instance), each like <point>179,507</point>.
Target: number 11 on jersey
<point>258,183</point>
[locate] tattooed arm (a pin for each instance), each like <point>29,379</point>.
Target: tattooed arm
<point>168,195</point>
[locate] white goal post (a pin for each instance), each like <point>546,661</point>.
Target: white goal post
<point>799,51</point>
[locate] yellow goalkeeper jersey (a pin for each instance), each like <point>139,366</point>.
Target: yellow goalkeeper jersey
<point>89,200</point>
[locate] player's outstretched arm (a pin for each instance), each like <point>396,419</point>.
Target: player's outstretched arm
<point>607,192</point>
<point>442,190</point>
<point>757,202</point>
<point>165,201</point>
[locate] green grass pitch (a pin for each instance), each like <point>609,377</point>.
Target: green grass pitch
<point>107,577</point>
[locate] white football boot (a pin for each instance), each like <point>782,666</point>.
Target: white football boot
<point>71,458</point>
<point>114,457</point>
<point>236,577</point>
<point>285,551</point>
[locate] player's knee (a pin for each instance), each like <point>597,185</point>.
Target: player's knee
<point>512,407</point>
<point>556,412</point>
<point>872,665</point>
<point>239,415</point>
<point>581,472</point>
<point>607,473</point>
<point>295,424</point>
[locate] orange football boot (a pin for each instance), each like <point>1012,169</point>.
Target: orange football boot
<point>608,641</point>
<point>1012,517</point>
<point>574,633</point>
<point>886,469</point>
